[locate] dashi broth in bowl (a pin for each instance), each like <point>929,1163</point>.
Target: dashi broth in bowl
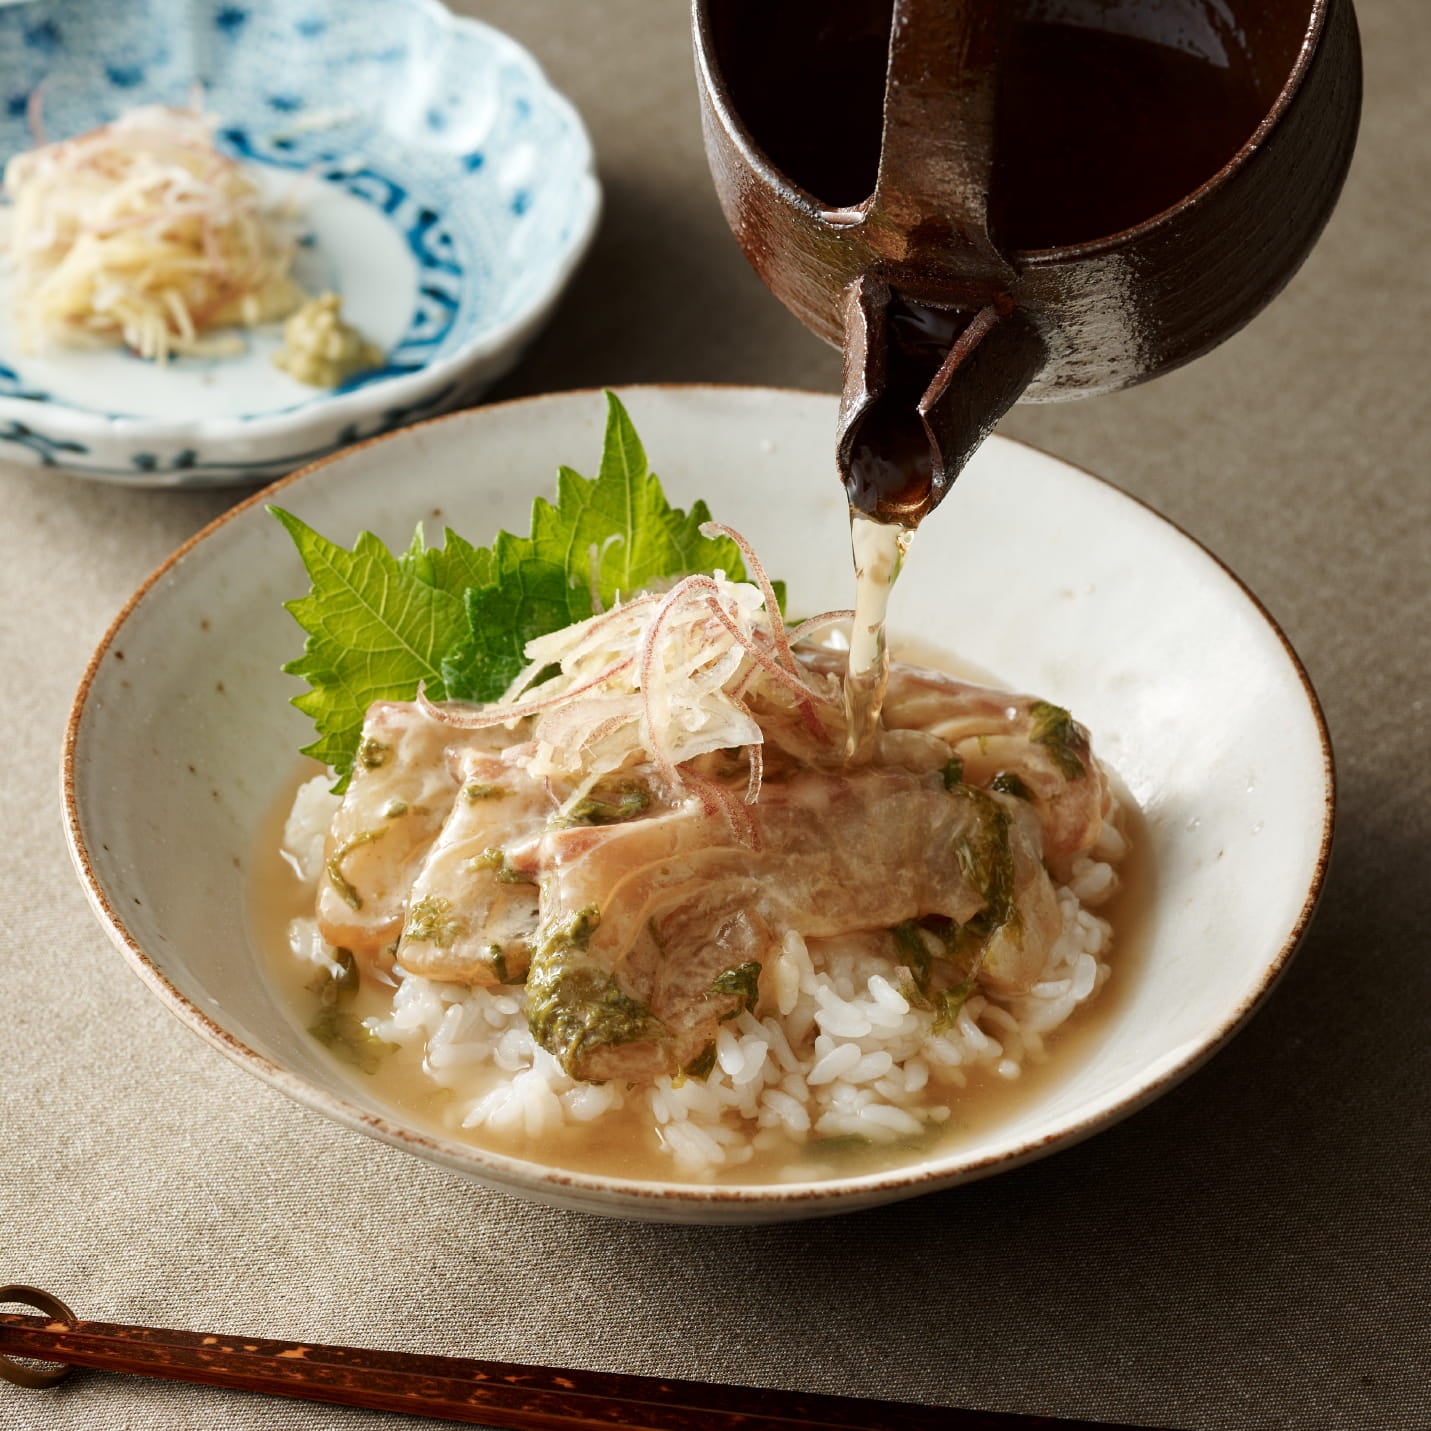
<point>1192,697</point>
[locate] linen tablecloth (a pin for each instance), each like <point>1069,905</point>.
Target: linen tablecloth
<point>1250,1252</point>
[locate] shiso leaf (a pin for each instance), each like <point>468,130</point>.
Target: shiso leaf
<point>456,619</point>
<point>604,540</point>
<point>376,629</point>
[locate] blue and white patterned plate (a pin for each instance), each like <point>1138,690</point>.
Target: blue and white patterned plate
<point>447,192</point>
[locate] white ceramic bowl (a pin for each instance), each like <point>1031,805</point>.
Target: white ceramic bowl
<point>446,190</point>
<point>1033,570</point>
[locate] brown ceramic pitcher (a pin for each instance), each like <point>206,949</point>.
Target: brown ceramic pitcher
<point>988,200</point>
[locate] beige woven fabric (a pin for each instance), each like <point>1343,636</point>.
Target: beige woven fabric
<point>1249,1253</point>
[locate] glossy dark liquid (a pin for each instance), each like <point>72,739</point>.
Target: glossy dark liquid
<point>1098,132</point>
<point>806,78</point>
<point>1096,129</point>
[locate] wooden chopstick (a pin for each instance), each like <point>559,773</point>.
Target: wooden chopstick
<point>524,1398</point>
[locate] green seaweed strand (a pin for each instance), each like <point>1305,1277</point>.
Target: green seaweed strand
<point>1055,730</point>
<point>744,982</point>
<point>333,865</point>
<point>573,1007</point>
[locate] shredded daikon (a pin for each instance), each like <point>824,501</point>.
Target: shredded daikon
<point>666,679</point>
<point>141,232</point>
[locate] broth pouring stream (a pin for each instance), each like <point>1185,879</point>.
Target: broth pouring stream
<point>879,552</point>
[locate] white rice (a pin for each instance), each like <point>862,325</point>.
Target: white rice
<point>839,1053</point>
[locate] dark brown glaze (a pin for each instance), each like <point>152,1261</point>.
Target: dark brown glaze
<point>923,387</point>
<point>478,1392</point>
<point>931,196</point>
<point>1165,248</point>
